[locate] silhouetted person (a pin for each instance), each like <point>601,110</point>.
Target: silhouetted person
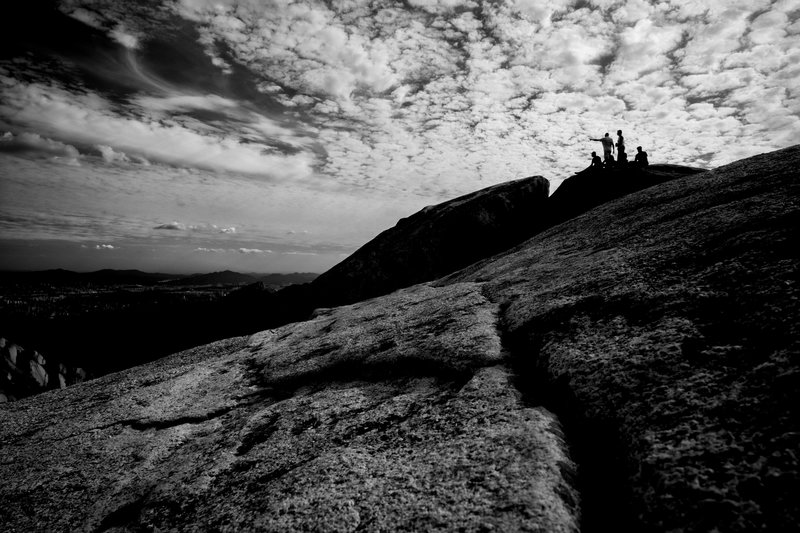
<point>641,157</point>
<point>620,142</point>
<point>608,147</point>
<point>609,163</point>
<point>596,163</point>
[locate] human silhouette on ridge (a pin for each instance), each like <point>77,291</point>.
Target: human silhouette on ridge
<point>608,148</point>
<point>596,163</point>
<point>641,158</point>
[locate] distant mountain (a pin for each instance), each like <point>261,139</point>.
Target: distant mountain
<point>226,277</point>
<point>286,279</point>
<point>137,277</point>
<point>99,277</point>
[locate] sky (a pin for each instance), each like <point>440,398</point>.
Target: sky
<point>279,136</point>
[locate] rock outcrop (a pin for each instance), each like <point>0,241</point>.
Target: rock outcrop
<point>438,240</point>
<point>26,372</point>
<point>633,369</point>
<point>590,188</point>
<point>663,328</point>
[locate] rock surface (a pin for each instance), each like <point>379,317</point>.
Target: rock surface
<point>438,240</point>
<point>633,369</point>
<point>392,414</point>
<point>26,372</point>
<point>663,328</point>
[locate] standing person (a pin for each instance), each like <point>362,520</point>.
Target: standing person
<point>641,157</point>
<point>608,147</point>
<point>620,141</point>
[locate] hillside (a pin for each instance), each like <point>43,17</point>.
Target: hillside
<point>634,368</point>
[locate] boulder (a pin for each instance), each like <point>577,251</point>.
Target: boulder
<point>26,372</point>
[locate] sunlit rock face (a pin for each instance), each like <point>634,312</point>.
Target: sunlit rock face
<point>398,413</point>
<point>632,369</point>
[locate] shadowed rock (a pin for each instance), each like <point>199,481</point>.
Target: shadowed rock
<point>26,372</point>
<point>663,328</point>
<point>438,240</point>
<point>588,188</point>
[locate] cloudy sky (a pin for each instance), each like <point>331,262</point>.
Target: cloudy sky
<point>279,135</point>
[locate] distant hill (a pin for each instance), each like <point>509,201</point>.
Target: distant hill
<point>137,277</point>
<point>99,277</point>
<point>228,277</point>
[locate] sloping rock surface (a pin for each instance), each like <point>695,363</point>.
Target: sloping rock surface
<point>664,329</point>
<point>393,414</point>
<point>652,342</point>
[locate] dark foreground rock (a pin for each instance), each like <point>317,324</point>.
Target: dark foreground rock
<point>26,372</point>
<point>438,240</point>
<point>651,342</point>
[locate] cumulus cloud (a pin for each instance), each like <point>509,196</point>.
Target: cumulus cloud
<point>105,247</point>
<point>35,143</point>
<point>110,155</point>
<point>369,111</point>
<point>253,251</point>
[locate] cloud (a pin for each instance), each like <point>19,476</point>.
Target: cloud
<point>110,155</point>
<point>172,226</point>
<point>201,228</point>
<point>35,143</point>
<point>88,118</point>
<point>211,250</point>
<point>253,251</point>
<point>123,37</point>
<point>116,31</point>
<point>186,102</point>
<point>342,117</point>
<point>105,247</point>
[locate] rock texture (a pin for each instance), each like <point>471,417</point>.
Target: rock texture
<point>632,369</point>
<point>26,372</point>
<point>664,329</point>
<point>394,414</point>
